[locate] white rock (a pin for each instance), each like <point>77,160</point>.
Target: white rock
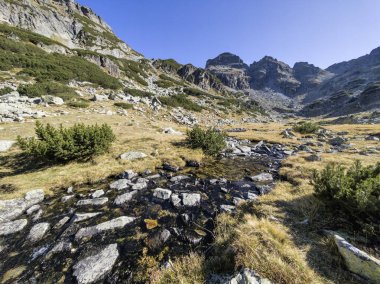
<point>93,202</point>
<point>132,155</point>
<point>162,193</point>
<point>62,222</point>
<point>191,199</point>
<point>12,227</point>
<point>170,130</point>
<point>264,177</point>
<point>117,223</point>
<point>179,178</point>
<point>95,267</point>
<point>120,184</point>
<point>79,217</point>
<point>33,209</point>
<point>5,145</point>
<point>125,197</point>
<point>38,231</point>
<point>97,193</point>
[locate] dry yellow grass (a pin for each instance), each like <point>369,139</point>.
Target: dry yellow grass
<point>135,132</point>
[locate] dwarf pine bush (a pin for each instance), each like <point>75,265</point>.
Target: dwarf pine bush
<point>355,191</point>
<point>210,141</point>
<point>306,127</point>
<point>66,144</point>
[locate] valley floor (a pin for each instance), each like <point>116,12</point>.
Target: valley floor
<point>279,235</point>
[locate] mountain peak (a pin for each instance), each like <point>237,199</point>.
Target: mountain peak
<point>227,59</point>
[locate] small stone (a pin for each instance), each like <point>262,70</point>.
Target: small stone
<point>66,198</point>
<point>5,145</point>
<point>62,222</point>
<point>175,200</point>
<point>125,197</point>
<point>116,223</point>
<point>79,217</point>
<point>191,199</point>
<point>59,248</point>
<point>150,223</point>
<point>237,200</point>
<point>162,193</point>
<point>159,239</point>
<point>129,174</point>
<point>93,202</point>
<point>251,196</point>
<point>12,227</point>
<point>264,177</point>
<point>93,268</point>
<point>37,216</point>
<point>97,193</point>
<point>70,190</point>
<point>38,231</point>
<point>139,186</point>
<point>170,168</point>
<point>120,184</point>
<point>132,155</point>
<point>178,178</point>
<point>33,209</point>
<point>227,208</point>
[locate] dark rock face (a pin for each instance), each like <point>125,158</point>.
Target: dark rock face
<point>273,74</point>
<point>309,75</point>
<point>200,77</point>
<point>227,60</point>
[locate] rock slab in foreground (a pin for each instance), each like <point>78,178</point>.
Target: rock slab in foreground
<point>94,268</point>
<point>117,223</point>
<point>5,145</point>
<point>12,227</point>
<point>358,261</point>
<point>38,231</point>
<point>245,276</point>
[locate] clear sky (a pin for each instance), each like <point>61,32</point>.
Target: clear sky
<point>321,32</point>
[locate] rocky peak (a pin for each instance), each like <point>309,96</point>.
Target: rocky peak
<point>227,60</point>
<point>274,74</point>
<point>66,22</point>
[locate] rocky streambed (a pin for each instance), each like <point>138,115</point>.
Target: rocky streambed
<point>98,233</point>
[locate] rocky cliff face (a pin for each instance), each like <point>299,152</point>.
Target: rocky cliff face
<point>65,21</point>
<point>230,70</point>
<point>273,74</point>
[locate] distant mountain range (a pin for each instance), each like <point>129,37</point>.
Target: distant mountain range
<point>304,89</point>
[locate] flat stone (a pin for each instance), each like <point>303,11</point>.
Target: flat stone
<point>162,193</point>
<point>159,239</point>
<point>227,208</point>
<point>252,196</point>
<point>37,216</point>
<point>38,231</point>
<point>97,193</point>
<point>358,261</point>
<point>33,209</point>
<point>179,178</point>
<point>79,217</point>
<point>120,184</point>
<point>93,268</point>
<point>139,186</point>
<point>238,200</point>
<point>5,145</point>
<point>263,177</point>
<point>93,202</point>
<point>125,197</point>
<point>132,155</point>
<point>12,227</point>
<point>191,199</point>
<point>117,223</point>
<point>129,174</point>
<point>59,248</point>
<point>244,149</point>
<point>175,200</point>
<point>67,198</point>
<point>62,222</point>
<point>244,276</point>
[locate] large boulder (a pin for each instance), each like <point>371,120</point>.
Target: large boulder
<point>38,231</point>
<point>358,261</point>
<point>5,145</point>
<point>132,155</point>
<point>51,100</point>
<point>12,227</point>
<point>95,267</point>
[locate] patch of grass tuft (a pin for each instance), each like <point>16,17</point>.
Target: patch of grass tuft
<point>306,127</point>
<point>181,100</point>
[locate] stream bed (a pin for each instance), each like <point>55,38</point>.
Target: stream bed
<point>97,233</point>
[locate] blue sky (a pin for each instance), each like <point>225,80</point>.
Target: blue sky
<point>321,32</point>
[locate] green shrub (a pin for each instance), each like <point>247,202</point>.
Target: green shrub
<point>196,93</point>
<point>210,141</point>
<point>66,144</point>
<point>139,93</point>
<point>48,88</point>
<point>46,67</point>
<point>123,105</point>
<point>181,100</point>
<point>80,103</point>
<point>5,90</point>
<point>306,127</point>
<point>355,191</point>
